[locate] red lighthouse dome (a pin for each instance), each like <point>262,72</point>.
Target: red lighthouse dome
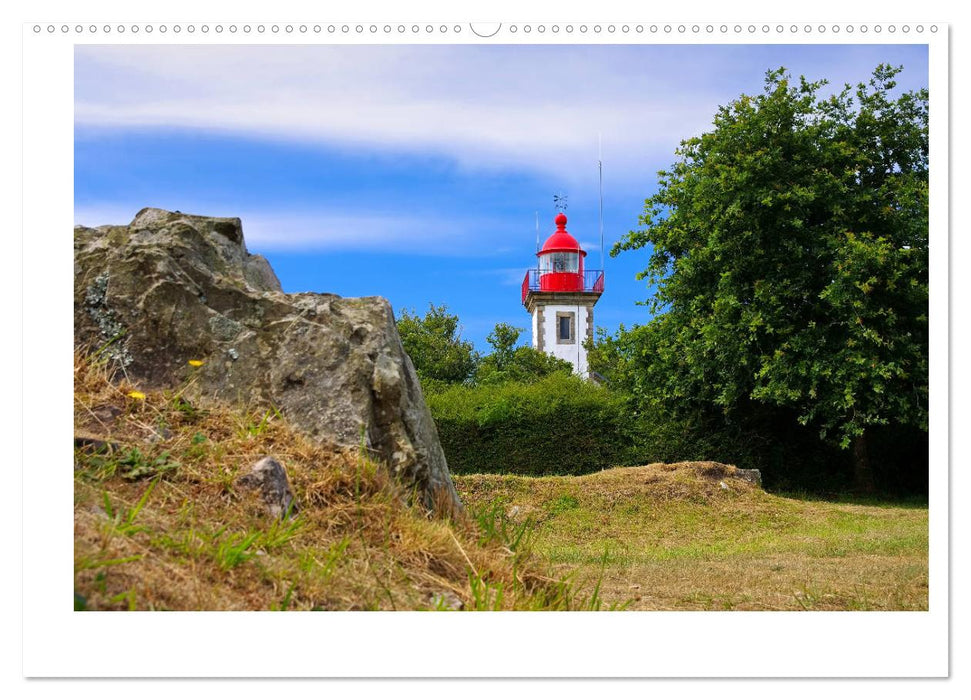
<point>561,261</point>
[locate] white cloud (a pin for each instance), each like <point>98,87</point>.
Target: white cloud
<point>527,109</point>
<point>539,110</point>
<point>285,230</point>
<point>535,108</point>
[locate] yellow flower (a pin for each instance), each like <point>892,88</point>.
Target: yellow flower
<point>136,395</point>
<point>196,363</point>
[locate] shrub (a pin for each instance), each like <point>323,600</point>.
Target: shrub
<point>560,424</point>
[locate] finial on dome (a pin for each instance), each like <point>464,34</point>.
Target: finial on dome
<point>560,221</point>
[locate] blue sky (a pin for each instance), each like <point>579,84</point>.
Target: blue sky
<point>415,172</point>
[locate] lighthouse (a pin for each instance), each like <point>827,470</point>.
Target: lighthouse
<point>560,295</point>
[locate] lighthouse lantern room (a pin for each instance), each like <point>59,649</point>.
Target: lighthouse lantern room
<point>560,295</point>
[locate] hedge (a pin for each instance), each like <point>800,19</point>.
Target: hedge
<point>558,425</point>
<point>563,425</point>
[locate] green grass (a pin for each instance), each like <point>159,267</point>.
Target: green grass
<point>675,539</point>
<point>235,549</point>
<point>105,462</point>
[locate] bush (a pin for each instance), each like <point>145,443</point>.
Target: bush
<point>560,424</point>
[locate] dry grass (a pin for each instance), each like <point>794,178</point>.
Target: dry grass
<point>690,536</point>
<point>159,523</point>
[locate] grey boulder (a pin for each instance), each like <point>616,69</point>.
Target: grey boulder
<point>172,287</point>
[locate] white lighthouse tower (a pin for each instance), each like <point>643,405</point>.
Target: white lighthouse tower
<point>560,295</point>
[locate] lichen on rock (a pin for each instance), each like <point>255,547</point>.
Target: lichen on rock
<point>109,327</point>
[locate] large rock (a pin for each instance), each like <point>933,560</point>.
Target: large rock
<point>172,287</point>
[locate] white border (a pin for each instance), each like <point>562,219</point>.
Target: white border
<point>59,642</point>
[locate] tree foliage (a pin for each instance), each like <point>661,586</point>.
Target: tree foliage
<point>508,363</point>
<point>789,250</point>
<point>435,346</point>
<point>442,358</point>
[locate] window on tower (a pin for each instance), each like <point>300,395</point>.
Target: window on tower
<point>559,262</point>
<point>564,327</point>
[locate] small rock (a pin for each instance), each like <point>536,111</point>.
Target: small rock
<point>160,434</point>
<point>233,355</point>
<point>753,476</point>
<point>107,413</point>
<point>94,445</point>
<point>446,601</point>
<point>270,478</point>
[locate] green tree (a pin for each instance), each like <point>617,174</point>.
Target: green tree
<point>789,252</point>
<point>508,363</point>
<point>434,344</point>
<point>503,339</point>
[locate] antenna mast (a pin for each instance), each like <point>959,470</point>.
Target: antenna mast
<point>537,231</point>
<point>600,169</point>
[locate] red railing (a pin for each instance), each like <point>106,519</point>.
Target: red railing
<point>593,281</point>
<point>598,285</point>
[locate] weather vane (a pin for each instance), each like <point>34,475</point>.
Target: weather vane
<point>559,202</point>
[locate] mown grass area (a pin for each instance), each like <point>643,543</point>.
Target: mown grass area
<point>161,524</point>
<point>692,536</point>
